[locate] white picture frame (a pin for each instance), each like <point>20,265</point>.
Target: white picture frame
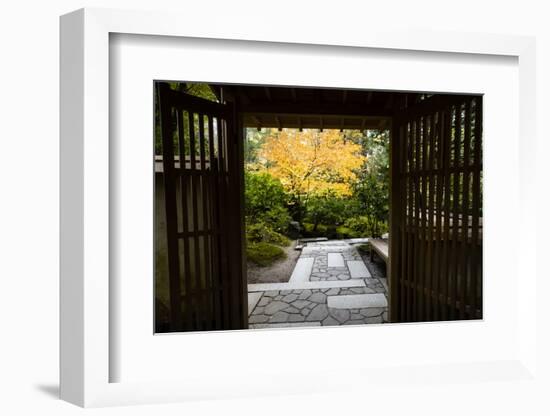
<point>85,220</point>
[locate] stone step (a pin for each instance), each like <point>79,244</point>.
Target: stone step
<point>371,300</point>
<point>357,269</point>
<point>335,260</point>
<point>322,284</point>
<point>302,270</point>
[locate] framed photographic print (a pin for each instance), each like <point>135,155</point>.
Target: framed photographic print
<point>237,208</point>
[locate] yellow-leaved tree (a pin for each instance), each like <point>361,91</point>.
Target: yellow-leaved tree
<point>311,163</point>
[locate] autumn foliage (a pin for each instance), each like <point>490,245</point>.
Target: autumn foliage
<point>311,163</point>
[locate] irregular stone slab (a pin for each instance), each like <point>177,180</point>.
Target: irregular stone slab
<point>292,309</point>
<point>384,282</point>
<point>285,325</point>
<point>263,301</point>
<point>258,310</point>
<point>370,312</point>
<point>318,313</point>
<point>341,315</point>
<point>318,297</point>
<point>304,294</point>
<point>335,260</point>
<point>279,317</point>
<point>357,269</point>
<point>374,320</point>
<point>296,318</point>
<point>290,298</point>
<point>275,306</point>
<point>354,322</point>
<point>374,300</point>
<point>258,319</point>
<point>253,299</point>
<point>323,284</point>
<point>330,321</point>
<point>302,270</point>
<point>299,304</point>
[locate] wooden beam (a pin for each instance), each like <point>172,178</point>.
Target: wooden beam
<point>293,93</point>
<point>296,122</point>
<point>389,102</point>
<point>369,97</point>
<point>267,93</point>
<point>244,98</point>
<point>278,121</point>
<point>344,96</point>
<point>258,122</point>
<point>321,109</point>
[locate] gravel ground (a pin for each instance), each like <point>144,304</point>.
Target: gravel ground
<point>278,272</point>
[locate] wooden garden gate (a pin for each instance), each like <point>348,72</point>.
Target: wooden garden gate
<point>436,214</point>
<point>202,185</point>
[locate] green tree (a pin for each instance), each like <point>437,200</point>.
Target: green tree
<point>372,188</point>
<point>265,201</point>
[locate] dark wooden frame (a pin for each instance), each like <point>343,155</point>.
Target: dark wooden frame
<point>207,288</point>
<point>434,266</point>
<point>435,215</point>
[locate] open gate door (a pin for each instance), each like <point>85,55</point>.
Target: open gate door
<point>436,210</point>
<point>202,196</point>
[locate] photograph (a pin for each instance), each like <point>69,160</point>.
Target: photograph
<point>283,207</point>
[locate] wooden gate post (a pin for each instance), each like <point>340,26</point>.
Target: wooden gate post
<point>394,218</point>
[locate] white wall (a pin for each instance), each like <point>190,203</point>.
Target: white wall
<point>29,175</point>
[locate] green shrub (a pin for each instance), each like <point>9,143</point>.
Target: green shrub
<point>346,232</point>
<point>261,233</point>
<point>276,218</point>
<point>309,230</point>
<point>366,226</point>
<point>265,201</point>
<point>327,209</point>
<point>264,254</point>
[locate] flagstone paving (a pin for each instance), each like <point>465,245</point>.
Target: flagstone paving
<point>329,286</point>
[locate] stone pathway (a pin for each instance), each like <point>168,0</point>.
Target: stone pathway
<point>330,285</point>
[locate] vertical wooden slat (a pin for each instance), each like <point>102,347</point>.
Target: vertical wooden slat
<point>430,224</point>
<point>395,222</point>
<point>410,220</point>
<point>397,295</point>
<point>243,293</point>
<point>439,215</point>
<point>165,109</point>
<point>464,269</point>
<point>205,278</point>
<point>475,298</point>
<point>214,227</point>
<point>193,181</point>
<point>186,277</point>
<point>423,220</point>
<point>233,289</point>
<point>418,222</point>
<point>446,285</point>
<point>454,257</point>
<point>226,273</point>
